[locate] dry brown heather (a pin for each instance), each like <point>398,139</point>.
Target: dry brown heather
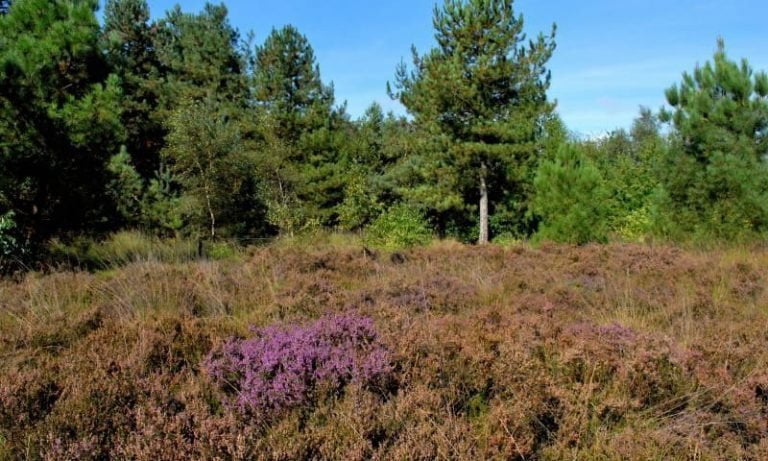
<point>597,353</point>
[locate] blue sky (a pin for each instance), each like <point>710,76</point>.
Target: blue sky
<point>612,56</point>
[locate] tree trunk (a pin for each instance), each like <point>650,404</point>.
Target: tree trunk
<point>483,205</point>
<point>211,215</point>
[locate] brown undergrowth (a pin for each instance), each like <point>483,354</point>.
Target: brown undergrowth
<point>596,353</point>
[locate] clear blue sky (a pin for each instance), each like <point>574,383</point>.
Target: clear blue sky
<point>612,56</point>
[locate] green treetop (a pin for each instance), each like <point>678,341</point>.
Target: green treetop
<point>287,83</point>
<point>721,107</point>
<point>301,131</point>
<point>200,56</point>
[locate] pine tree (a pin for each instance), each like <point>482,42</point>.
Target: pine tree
<point>128,37</point>
<point>485,90</point>
<point>59,118</point>
<point>571,199</point>
<point>721,107</point>
<point>201,59</point>
<point>302,131</point>
<point>714,182</point>
<point>288,85</point>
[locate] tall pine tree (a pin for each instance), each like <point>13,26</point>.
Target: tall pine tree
<point>301,129</point>
<point>288,85</point>
<point>484,89</point>
<point>129,41</point>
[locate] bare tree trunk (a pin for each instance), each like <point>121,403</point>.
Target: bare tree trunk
<point>210,213</point>
<point>213,226</point>
<point>483,205</point>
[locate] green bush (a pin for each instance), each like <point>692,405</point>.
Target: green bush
<point>399,227</point>
<point>506,239</point>
<point>359,206</point>
<point>571,199</point>
<point>634,226</point>
<point>724,201</point>
<point>221,250</point>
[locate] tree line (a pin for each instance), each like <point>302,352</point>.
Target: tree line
<point>181,126</point>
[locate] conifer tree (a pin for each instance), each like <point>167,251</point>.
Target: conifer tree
<point>571,199</point>
<point>200,57</point>
<point>59,118</point>
<point>484,88</point>
<point>714,182</point>
<point>128,38</point>
<point>301,129</point>
<point>721,107</point>
<point>288,85</point>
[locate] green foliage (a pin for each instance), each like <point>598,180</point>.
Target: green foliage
<point>571,199</point>
<point>506,240</point>
<point>725,200</point>
<point>200,53</point>
<point>59,117</point>
<point>8,243</point>
<point>714,180</point>
<point>288,85</point>
<point>154,205</point>
<point>163,209</point>
<point>129,40</point>
<point>399,227</point>
<point>483,88</point>
<point>300,133</point>
<point>205,153</point>
<point>219,251</point>
<point>635,225</point>
<point>126,187</point>
<point>360,205</point>
<point>178,127</point>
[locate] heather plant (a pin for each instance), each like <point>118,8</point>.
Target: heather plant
<point>283,368</point>
<point>620,352</point>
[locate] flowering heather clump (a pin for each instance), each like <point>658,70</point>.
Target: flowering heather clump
<point>281,368</point>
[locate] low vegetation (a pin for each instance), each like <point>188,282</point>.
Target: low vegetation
<point>449,351</point>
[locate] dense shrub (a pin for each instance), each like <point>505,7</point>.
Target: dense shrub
<point>282,368</point>
<point>400,227</point>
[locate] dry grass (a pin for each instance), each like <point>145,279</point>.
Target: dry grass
<point>596,353</point>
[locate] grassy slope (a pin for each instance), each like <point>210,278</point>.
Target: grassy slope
<point>614,352</point>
